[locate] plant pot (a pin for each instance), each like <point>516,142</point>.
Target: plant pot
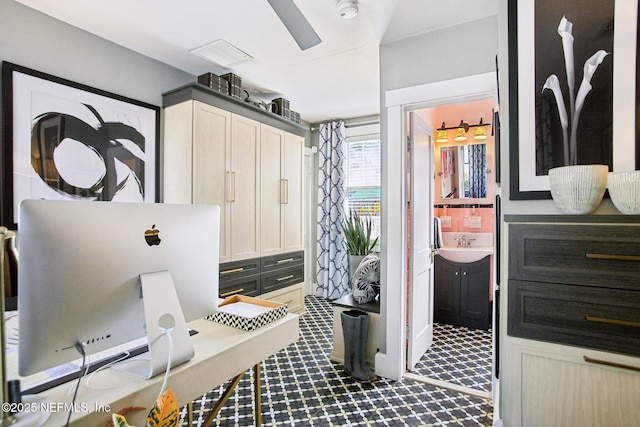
<point>578,190</point>
<point>354,262</point>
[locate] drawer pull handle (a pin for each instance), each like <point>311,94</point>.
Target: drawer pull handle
<point>235,270</point>
<point>614,257</point>
<point>613,321</point>
<point>235,291</point>
<point>612,364</point>
<point>282,261</point>
<point>285,278</point>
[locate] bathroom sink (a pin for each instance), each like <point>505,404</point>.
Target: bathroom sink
<point>456,254</point>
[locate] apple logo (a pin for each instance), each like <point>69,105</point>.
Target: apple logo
<point>152,236</point>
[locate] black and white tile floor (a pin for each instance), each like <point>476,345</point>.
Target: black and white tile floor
<point>458,355</point>
<point>302,387</point>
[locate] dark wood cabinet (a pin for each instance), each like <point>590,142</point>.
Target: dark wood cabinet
<point>461,293</point>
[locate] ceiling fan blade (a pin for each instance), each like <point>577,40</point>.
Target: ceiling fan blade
<point>296,23</point>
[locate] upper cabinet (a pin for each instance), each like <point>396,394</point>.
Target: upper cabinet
<point>252,170</point>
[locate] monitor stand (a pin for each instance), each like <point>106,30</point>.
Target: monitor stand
<point>162,313</point>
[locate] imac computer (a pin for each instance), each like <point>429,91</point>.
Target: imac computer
<point>101,274</point>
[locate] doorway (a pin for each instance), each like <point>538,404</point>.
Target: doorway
<point>460,356</point>
<point>391,361</point>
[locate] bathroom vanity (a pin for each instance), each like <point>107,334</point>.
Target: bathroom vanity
<point>461,296</point>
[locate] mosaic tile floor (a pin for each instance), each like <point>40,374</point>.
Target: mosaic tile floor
<point>459,356</point>
<point>302,387</point>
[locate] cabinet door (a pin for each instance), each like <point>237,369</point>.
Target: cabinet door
<point>244,178</point>
<point>211,161</point>
<point>178,154</point>
<point>272,189</point>
<point>446,292</point>
<point>474,301</point>
<point>293,215</point>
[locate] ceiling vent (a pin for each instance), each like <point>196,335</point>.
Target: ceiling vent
<point>222,52</point>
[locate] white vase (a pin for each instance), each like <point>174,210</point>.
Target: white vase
<point>578,190</point>
<point>624,189</point>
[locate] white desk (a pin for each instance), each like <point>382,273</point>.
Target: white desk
<point>221,353</point>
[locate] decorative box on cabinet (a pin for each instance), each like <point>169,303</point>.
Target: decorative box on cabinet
<point>461,292</point>
<point>570,356</point>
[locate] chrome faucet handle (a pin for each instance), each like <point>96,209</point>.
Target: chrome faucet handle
<point>469,241</point>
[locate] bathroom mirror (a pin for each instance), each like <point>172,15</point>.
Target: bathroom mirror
<point>464,171</point>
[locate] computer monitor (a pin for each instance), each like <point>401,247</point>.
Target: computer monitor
<point>80,267</point>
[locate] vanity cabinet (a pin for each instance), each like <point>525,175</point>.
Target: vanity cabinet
<point>222,151</point>
<point>572,353</point>
<point>461,292</point>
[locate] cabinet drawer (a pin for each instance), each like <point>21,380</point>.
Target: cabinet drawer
<point>232,270</point>
<point>590,255</point>
<point>243,285</point>
<point>599,318</point>
<point>281,260</point>
<point>282,277</point>
<point>293,296</point>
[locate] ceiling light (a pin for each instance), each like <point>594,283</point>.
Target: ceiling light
<point>222,52</point>
<point>348,8</point>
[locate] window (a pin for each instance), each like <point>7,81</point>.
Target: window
<point>363,179</point>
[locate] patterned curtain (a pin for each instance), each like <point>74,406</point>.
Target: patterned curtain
<point>333,276</point>
<point>477,171</point>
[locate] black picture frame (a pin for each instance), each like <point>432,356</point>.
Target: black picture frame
<point>106,145</point>
<point>525,181</point>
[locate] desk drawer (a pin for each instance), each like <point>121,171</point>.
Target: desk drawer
<point>599,318</point>
<point>242,285</point>
<point>282,277</point>
<point>589,255</point>
<point>273,262</point>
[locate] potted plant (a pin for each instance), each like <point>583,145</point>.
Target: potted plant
<point>357,232</point>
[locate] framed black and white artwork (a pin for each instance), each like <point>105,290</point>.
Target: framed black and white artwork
<point>67,141</point>
<point>572,86</point>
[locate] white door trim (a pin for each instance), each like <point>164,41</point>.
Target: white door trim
<point>391,359</point>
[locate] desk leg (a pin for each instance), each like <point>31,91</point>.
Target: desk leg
<point>258,395</point>
<point>190,414</point>
<point>220,403</point>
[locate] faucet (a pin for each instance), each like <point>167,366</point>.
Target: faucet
<point>463,241</point>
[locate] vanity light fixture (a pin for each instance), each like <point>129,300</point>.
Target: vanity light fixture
<point>461,132</point>
<point>442,134</point>
<point>480,132</point>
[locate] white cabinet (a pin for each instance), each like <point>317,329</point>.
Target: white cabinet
<point>212,156</point>
<point>281,191</point>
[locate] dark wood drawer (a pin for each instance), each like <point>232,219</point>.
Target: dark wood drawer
<point>273,262</point>
<point>599,318</point>
<point>590,255</point>
<point>243,285</point>
<point>232,270</point>
<point>283,277</point>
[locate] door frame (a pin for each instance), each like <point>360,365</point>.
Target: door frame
<point>391,359</point>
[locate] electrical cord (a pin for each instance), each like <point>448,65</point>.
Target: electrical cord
<point>83,351</point>
<point>168,333</point>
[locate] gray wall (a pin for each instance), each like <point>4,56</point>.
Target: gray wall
<point>450,53</point>
<point>37,41</point>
